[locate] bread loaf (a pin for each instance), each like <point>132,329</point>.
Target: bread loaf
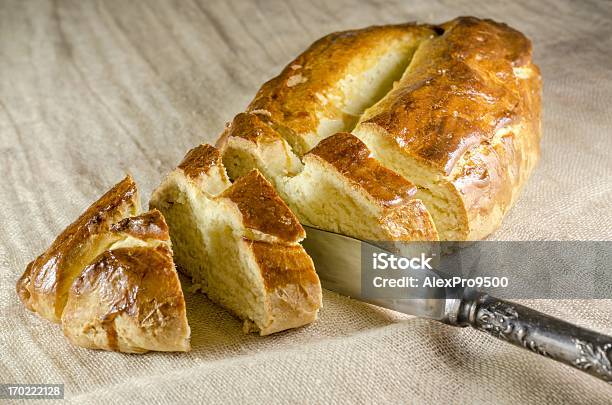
<point>461,120</point>
<point>110,280</point>
<point>239,243</point>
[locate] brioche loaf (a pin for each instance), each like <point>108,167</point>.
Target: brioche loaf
<point>110,280</point>
<point>239,243</point>
<point>454,109</point>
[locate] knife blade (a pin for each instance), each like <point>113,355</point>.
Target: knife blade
<point>339,263</point>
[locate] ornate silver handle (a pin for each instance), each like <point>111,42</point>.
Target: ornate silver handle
<point>545,335</point>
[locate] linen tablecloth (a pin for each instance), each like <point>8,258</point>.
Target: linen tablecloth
<point>90,90</point>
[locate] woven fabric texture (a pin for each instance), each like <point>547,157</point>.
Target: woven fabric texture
<point>90,90</point>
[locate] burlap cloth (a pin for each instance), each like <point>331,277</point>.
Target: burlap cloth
<point>90,90</point>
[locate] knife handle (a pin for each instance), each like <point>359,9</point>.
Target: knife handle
<point>545,335</point>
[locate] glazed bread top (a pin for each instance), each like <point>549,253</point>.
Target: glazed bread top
<point>150,225</point>
<point>117,274</point>
<point>129,298</point>
<point>327,87</point>
<point>204,167</point>
<point>262,209</point>
<point>353,159</point>
<point>110,280</point>
<point>341,181</point>
<point>46,281</point>
<point>283,265</point>
<point>459,90</point>
<point>253,127</point>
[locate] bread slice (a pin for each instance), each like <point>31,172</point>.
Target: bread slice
<point>463,124</point>
<point>239,243</point>
<point>249,141</point>
<point>110,280</point>
<point>44,286</point>
<point>343,189</point>
<point>129,299</point>
<point>334,184</point>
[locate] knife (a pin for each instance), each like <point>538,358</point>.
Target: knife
<point>339,264</point>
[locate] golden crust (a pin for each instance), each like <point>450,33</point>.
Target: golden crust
<point>203,166</point>
<point>200,160</point>
<point>405,221</point>
<point>292,100</point>
<point>353,159</point>
<point>129,300</point>
<point>282,265</point>
<point>100,301</point>
<point>267,149</point>
<point>293,289</point>
<point>252,127</point>
<point>350,158</point>
<point>262,209</point>
<point>46,280</point>
<point>459,89</point>
<point>468,108</point>
<point>150,225</point>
